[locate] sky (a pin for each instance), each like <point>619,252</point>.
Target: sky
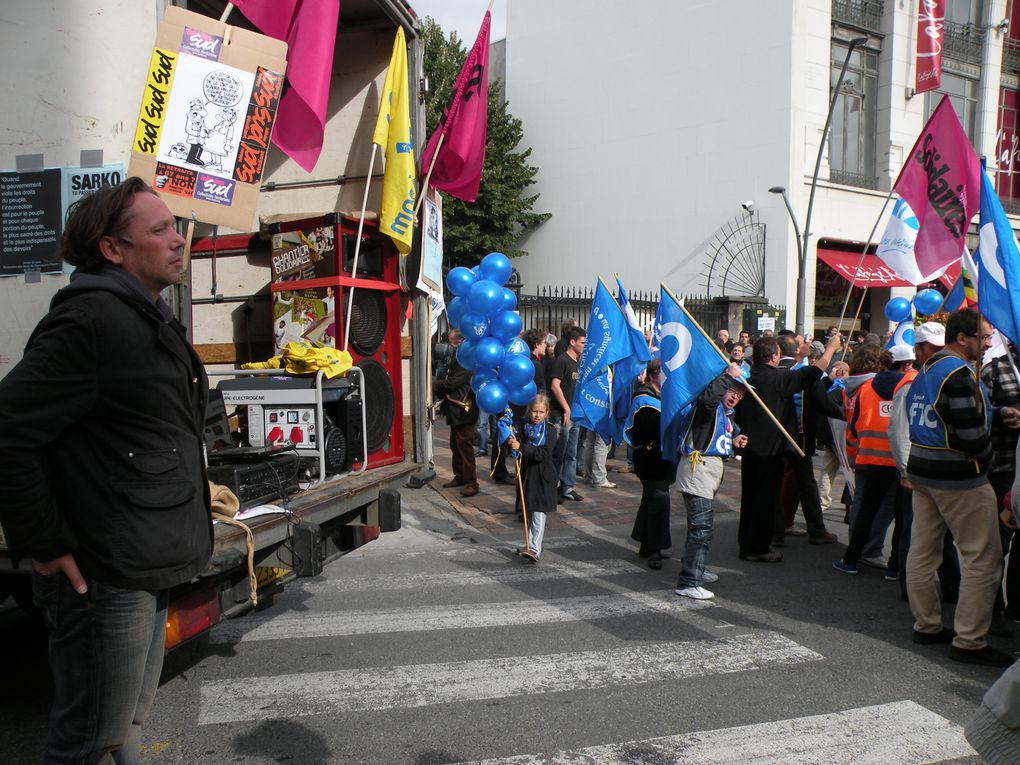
<point>464,17</point>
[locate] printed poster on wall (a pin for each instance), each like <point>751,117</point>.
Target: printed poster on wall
<point>207,113</point>
<point>431,276</point>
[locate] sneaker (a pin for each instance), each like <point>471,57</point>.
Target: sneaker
<point>697,593</point>
<point>878,563</point>
<point>892,576</point>
<point>987,656</point>
<point>825,538</point>
<point>574,496</point>
<point>529,556</point>
<point>769,557</point>
<point>709,577</point>
<point>795,531</point>
<point>604,485</point>
<point>945,635</point>
<point>846,568</point>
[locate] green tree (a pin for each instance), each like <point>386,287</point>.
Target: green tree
<point>504,211</point>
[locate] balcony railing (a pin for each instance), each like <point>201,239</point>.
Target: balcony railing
<point>866,14</point>
<point>853,179</point>
<point>1011,56</point>
<point>963,42</point>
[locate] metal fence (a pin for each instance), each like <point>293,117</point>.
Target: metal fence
<point>549,307</point>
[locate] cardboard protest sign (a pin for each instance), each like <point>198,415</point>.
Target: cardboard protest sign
<point>206,116</point>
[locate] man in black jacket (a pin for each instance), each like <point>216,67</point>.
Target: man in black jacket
<point>461,416</point>
<point>762,465</point>
<point>101,437</point>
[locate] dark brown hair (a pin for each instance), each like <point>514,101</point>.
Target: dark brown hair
<point>101,213</point>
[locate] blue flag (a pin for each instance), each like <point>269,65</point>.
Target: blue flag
<point>505,428</point>
<point>954,298</point>
<point>657,331</point>
<point>608,338</point>
<point>608,342</point>
<point>999,266</point>
<point>626,371</point>
<point>690,361</point>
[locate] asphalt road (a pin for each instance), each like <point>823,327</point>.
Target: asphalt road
<point>437,644</point>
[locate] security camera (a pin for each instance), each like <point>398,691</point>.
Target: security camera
<point>748,205</point>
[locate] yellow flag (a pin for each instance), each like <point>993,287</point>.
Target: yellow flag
<point>393,134</point>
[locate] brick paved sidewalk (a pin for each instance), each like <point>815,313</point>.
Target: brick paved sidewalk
<point>492,509</point>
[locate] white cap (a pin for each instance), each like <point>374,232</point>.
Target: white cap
<point>902,352</point>
<point>930,332</point>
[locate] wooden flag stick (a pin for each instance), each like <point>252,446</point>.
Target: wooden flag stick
<point>750,390</point>
<point>428,176</point>
<point>524,507</point>
<point>357,252</point>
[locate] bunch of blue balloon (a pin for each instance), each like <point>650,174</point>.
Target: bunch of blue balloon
<point>900,310</point>
<point>483,310</point>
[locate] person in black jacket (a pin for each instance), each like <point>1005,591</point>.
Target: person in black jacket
<point>762,464</point>
<point>651,526</point>
<point>534,440</point>
<point>461,416</point>
<point>101,438</point>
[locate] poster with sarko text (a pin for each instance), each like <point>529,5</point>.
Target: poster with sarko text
<point>207,112</point>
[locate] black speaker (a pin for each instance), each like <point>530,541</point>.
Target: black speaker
<point>343,446</point>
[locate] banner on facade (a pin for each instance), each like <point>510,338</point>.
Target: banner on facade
<point>206,116</point>
<point>930,36</point>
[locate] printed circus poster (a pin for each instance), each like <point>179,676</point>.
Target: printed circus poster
<point>207,113</point>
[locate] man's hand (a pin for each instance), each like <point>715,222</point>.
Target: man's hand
<point>835,342</point>
<point>65,564</point>
<point>566,417</point>
<point>740,441</point>
<point>733,370</point>
<point>1011,417</point>
<point>1008,519</point>
<point>839,369</point>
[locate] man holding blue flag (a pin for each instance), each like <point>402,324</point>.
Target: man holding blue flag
<point>763,459</point>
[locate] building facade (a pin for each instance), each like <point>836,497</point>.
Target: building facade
<point>659,130</point>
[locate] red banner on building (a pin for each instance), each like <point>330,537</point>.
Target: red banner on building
<point>930,34</point>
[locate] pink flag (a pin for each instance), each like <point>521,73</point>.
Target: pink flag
<point>309,27</point>
<point>458,168</point>
<point>942,184</point>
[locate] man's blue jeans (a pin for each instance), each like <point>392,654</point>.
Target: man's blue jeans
<point>565,455</point>
<point>106,653</point>
<point>700,521</point>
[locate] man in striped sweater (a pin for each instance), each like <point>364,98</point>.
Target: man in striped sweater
<point>949,417</point>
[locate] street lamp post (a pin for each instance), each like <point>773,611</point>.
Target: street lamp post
<point>802,248</point>
<point>801,286</point>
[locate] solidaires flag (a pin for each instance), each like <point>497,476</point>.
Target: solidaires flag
<point>393,134</point>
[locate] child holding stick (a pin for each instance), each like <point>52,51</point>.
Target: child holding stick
<point>537,477</point>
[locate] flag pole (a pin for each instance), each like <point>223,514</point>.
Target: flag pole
<point>754,395</point>
<point>428,176</point>
<point>357,250</point>
<point>857,269</point>
<point>226,12</point>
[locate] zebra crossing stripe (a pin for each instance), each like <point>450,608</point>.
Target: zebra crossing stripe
<point>376,688</point>
<point>506,574</point>
<point>899,733</point>
<point>459,616</point>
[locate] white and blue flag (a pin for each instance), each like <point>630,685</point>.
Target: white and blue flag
<point>999,266</point>
<point>626,371</point>
<point>690,361</point>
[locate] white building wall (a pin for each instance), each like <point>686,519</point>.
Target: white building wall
<point>650,124</point>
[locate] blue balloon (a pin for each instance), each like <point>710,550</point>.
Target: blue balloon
<point>492,397</point>
<point>517,347</point>
<point>927,302</point>
<point>516,371</point>
<point>466,355</point>
<point>473,325</point>
<point>524,395</point>
<point>495,266</point>
<point>489,353</point>
<point>479,378</point>
<point>455,310</point>
<point>897,309</point>
<point>459,280</point>
<point>505,325</point>
<point>509,300</point>
<point>485,297</point>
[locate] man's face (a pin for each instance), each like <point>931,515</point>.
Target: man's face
<point>975,347</point>
<point>149,246</point>
<point>733,396</point>
<point>455,339</point>
<point>803,349</point>
<point>744,338</point>
<point>722,335</point>
<point>540,349</point>
<point>577,346</point>
<point>737,354</point>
